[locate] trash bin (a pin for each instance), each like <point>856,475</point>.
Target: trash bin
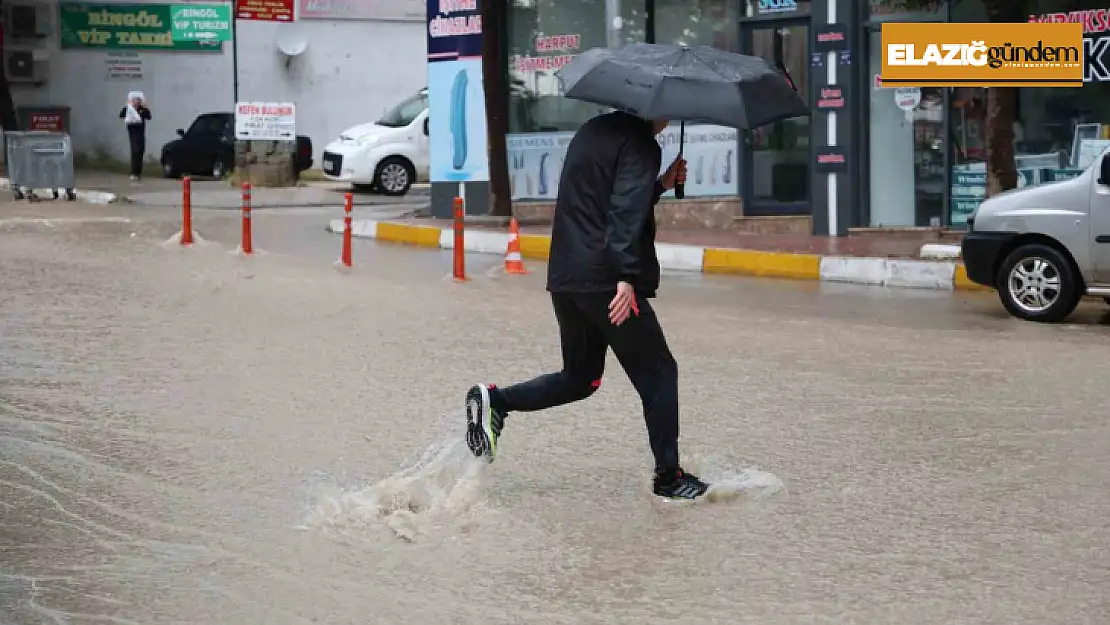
<point>40,160</point>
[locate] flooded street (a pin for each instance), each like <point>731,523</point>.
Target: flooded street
<point>189,436</point>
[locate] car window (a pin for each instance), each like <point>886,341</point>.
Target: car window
<point>206,126</point>
<point>406,111</point>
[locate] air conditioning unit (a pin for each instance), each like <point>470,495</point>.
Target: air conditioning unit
<point>27,20</point>
<point>26,66</point>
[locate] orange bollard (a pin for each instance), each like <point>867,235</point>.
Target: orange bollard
<point>348,202</point>
<point>460,240</point>
<point>246,244</point>
<point>514,262</point>
<point>186,211</point>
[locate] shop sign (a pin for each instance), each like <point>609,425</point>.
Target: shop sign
<point>124,64</point>
<point>51,122</point>
<point>907,98</point>
<point>831,37</point>
<point>536,161</point>
<point>202,22</point>
<point>124,26</point>
<point>1096,62</point>
<point>390,10</point>
<point>551,52</point>
<point>777,6</point>
<point>830,98</point>
<point>457,142</point>
<point>830,159</point>
<point>264,10</point>
<point>266,121</point>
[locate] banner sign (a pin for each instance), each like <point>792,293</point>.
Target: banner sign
<point>1096,41</point>
<point>124,26</point>
<point>457,142</point>
<point>264,10</point>
<point>387,10</point>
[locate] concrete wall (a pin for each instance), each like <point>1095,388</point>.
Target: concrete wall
<point>351,71</point>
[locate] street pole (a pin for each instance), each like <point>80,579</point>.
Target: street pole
<point>234,53</point>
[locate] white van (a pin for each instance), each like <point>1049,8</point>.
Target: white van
<point>386,156</point>
<point>1044,247</point>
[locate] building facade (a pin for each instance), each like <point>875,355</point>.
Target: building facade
<point>868,156</point>
<point>363,56</point>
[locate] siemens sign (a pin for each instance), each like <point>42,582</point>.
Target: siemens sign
<point>777,6</point>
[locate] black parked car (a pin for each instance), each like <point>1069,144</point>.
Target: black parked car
<point>208,148</point>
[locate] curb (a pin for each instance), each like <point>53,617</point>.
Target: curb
<point>944,275</point>
<point>88,196</point>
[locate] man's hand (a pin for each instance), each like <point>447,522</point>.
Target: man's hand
<point>623,305</point>
<point>675,174</point>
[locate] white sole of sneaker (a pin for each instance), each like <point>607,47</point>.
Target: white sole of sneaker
<point>479,433</point>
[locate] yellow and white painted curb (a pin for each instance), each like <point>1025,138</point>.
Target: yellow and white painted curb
<point>947,274</point>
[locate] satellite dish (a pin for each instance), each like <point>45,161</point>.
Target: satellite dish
<point>291,42</point>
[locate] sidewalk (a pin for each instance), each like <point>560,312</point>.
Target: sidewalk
<point>216,194</point>
<point>874,259</point>
<point>98,187</point>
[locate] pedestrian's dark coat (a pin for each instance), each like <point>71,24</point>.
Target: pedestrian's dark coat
<point>604,225</point>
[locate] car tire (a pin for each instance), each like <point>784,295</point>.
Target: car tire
<point>169,169</point>
<point>1037,282</point>
<point>219,169</point>
<point>394,176</point>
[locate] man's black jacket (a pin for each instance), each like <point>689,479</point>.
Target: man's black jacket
<point>604,225</point>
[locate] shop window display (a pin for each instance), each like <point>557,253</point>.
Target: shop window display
<point>1057,132</point>
<point>544,35</point>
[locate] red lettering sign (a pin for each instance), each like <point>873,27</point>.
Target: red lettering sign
<point>47,121</point>
<point>264,10</point>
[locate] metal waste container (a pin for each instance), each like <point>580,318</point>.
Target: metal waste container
<point>40,160</point>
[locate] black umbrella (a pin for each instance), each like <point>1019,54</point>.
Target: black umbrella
<point>688,84</point>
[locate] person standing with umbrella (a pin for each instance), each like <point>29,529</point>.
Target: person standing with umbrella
<point>603,267</point>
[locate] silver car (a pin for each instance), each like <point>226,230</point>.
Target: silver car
<point>1044,247</point>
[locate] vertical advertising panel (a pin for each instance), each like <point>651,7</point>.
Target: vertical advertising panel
<point>457,140</point>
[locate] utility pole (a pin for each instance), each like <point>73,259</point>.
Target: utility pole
<point>494,85</point>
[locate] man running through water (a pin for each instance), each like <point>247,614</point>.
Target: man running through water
<point>601,272</point>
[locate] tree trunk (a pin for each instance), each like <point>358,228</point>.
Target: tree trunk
<point>1002,110</point>
<point>1001,168</point>
<point>494,23</point>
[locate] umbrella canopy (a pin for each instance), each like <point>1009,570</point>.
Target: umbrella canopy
<point>677,83</point>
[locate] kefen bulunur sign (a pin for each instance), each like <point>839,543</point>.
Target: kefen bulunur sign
<point>266,121</point>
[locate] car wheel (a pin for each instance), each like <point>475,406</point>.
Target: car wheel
<point>169,169</point>
<point>219,169</point>
<point>1036,282</point>
<point>394,176</point>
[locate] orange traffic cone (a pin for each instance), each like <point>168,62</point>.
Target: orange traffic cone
<point>513,260</point>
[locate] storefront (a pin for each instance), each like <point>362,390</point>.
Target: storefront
<point>868,156</point>
<point>767,171</point>
<point>925,158</point>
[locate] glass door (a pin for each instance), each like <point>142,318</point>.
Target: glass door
<point>776,157</point>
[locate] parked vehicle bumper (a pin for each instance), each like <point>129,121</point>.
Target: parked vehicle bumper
<point>980,251</point>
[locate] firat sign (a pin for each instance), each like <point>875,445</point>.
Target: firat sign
<point>1096,43</point>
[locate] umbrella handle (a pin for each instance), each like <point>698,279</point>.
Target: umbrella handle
<point>680,187</point>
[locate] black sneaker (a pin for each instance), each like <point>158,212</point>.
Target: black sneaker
<point>679,485</point>
<point>483,423</point>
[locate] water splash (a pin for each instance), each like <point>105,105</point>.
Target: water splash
<point>438,491</point>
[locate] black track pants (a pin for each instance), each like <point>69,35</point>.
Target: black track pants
<point>586,333</point>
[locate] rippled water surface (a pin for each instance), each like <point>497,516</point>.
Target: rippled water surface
<point>189,436</point>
